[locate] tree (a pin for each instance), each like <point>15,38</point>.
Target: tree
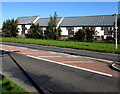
<point>59,32</point>
<point>10,28</point>
<point>89,35</point>
<point>52,32</point>
<point>80,35</point>
<point>35,31</point>
<point>49,33</point>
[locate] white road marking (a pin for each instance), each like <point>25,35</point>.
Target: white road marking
<point>52,52</point>
<point>26,53</point>
<point>3,49</point>
<point>72,56</point>
<point>33,50</point>
<point>72,66</point>
<point>102,60</point>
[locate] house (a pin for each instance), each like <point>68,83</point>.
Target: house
<point>0,29</point>
<point>24,23</point>
<point>101,24</point>
<point>44,22</point>
<point>70,25</point>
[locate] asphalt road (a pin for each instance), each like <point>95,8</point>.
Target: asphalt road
<point>99,55</point>
<point>57,78</point>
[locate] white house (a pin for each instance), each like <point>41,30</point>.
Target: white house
<point>44,22</point>
<point>102,24</point>
<point>24,23</point>
<point>70,25</point>
<point>0,29</point>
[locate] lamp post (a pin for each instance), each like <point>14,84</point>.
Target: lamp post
<point>116,31</point>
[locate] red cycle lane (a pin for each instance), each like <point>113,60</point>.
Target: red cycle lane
<point>79,62</point>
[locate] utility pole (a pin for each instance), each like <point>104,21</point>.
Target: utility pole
<point>116,31</point>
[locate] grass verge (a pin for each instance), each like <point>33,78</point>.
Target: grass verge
<point>92,46</point>
<point>10,87</point>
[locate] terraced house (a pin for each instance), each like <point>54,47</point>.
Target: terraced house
<point>102,24</point>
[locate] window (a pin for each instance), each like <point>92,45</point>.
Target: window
<point>23,29</point>
<point>102,28</point>
<point>70,28</point>
<point>110,28</point>
<point>83,27</point>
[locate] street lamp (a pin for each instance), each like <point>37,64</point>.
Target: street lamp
<point>116,31</point>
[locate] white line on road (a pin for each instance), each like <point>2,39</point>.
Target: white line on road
<point>72,66</point>
<point>3,49</point>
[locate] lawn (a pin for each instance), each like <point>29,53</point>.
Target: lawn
<point>10,87</point>
<point>92,46</point>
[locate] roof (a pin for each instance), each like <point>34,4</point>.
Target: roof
<point>26,20</point>
<point>102,20</point>
<point>44,21</point>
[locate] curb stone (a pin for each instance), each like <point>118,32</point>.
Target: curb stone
<point>116,66</point>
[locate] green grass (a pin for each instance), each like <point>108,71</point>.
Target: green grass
<point>92,46</point>
<point>9,87</point>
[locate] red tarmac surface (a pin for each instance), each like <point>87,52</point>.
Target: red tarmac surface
<point>78,61</point>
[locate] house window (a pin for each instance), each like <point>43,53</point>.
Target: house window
<point>110,28</point>
<point>70,28</point>
<point>102,28</point>
<point>83,27</point>
<point>23,29</point>
<point>70,31</point>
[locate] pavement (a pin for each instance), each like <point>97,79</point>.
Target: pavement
<point>11,71</point>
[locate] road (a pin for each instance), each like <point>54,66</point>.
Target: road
<point>58,78</point>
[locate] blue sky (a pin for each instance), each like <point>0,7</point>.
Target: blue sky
<point>64,9</point>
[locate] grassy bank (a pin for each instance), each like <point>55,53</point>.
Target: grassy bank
<point>9,87</point>
<point>99,47</point>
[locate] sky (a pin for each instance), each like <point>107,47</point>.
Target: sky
<point>64,9</point>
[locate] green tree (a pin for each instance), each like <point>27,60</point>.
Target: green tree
<point>89,35</point>
<point>59,32</point>
<point>52,32</point>
<point>10,28</point>
<point>35,31</point>
<point>49,33</point>
<point>80,35</point>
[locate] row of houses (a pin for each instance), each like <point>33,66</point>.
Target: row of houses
<point>70,25</point>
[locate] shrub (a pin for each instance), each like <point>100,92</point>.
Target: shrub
<point>10,28</point>
<point>89,35</point>
<point>80,35</point>
<point>35,31</point>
